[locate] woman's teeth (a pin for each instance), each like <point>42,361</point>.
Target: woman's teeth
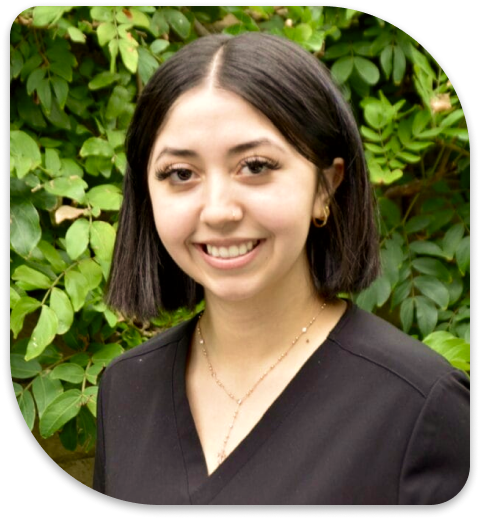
<point>233,251</point>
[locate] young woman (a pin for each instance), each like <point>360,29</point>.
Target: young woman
<point>247,187</point>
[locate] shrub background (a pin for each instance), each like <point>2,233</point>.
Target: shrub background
<point>75,75</point>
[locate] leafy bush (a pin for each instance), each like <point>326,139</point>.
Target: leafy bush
<point>75,75</point>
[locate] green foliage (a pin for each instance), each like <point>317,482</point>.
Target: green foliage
<point>75,75</point>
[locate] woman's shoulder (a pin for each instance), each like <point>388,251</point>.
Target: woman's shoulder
<point>373,340</point>
<point>160,344</point>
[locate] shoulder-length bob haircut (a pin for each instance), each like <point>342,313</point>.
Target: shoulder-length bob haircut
<point>295,91</point>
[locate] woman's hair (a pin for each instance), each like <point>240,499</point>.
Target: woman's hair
<point>296,93</point>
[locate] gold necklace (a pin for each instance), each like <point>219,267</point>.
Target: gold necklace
<point>240,401</point>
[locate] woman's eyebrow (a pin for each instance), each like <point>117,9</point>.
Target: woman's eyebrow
<point>235,150</point>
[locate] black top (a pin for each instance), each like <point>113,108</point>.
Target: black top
<point>372,417</point>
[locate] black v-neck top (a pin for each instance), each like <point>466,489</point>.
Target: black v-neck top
<point>372,417</point>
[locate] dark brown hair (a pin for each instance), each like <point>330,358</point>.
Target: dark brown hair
<point>295,91</point>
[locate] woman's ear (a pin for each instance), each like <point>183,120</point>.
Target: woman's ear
<point>333,177</point>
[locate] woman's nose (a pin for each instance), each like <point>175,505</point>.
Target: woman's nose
<point>220,206</point>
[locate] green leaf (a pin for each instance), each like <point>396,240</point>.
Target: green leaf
<point>103,80</point>
<point>452,240</point>
<point>58,117</point>
<point>76,35</point>
<point>406,313</point>
<point>27,406</point>
<point>159,46</point>
<point>377,115</point>
<point>91,397</point>
<point>367,70</point>
<point>69,434</point>
<point>418,146</point>
<point>107,354</point>
<point>77,288</point>
<point>432,267</point>
<point>427,315</point>
<point>117,102</point>
<point>72,187</point>
<point>408,157</point>
<point>69,372</point>
<point>178,22</point>
<point>30,279</point>
<point>420,122</point>
<point>386,60</point>
<point>96,146</point>
<point>370,134</point>
<point>23,307</point>
<point>342,69</point>
<point>17,388</point>
<point>113,50</point>
<point>401,292</point>
<point>34,79</point>
<point>129,54</point>
<point>23,369</point>
<point>110,317</point>
<point>462,254</point>
<point>147,64</point>
<point>399,64</point>
<point>139,19</point>
<point>102,239</point>
<point>45,390</point>
<point>60,304</point>
<point>375,295</point>
<point>45,94</point>
<point>106,197</point>
<point>337,50</point>
<point>14,297</point>
<point>452,118</point>
<point>62,69</point>
<point>105,33</point>
<point>92,373</point>
<point>25,231</point>
<point>60,87</point>
<point>25,152</point>
<point>427,247</point>
<point>417,223</point>
<point>52,161</point>
<point>455,288</point>
<point>16,63</point>
<point>92,272</point>
<point>65,407</point>
<point>52,255</point>
<point>77,238</point>
<point>102,14</point>
<point>47,15</point>
<point>434,289</point>
<point>454,349</point>
<point>43,333</point>
<point>86,427</point>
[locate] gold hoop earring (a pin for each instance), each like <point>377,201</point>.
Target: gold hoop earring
<point>317,222</point>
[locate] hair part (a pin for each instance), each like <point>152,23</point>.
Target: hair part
<point>296,93</point>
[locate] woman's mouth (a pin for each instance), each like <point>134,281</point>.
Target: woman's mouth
<point>233,251</point>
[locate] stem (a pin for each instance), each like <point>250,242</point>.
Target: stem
<point>57,280</point>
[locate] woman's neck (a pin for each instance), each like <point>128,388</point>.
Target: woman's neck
<point>241,334</point>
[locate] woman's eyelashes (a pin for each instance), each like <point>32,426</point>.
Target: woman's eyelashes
<point>251,167</point>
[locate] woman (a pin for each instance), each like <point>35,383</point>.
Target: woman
<point>247,188</point>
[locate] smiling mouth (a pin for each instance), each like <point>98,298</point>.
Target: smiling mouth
<point>234,251</point>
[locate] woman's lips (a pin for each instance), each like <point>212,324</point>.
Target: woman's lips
<point>231,257</point>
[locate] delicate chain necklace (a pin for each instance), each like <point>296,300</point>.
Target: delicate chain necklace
<point>240,401</point>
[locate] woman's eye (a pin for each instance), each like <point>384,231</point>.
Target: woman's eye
<point>175,175</point>
<point>258,166</point>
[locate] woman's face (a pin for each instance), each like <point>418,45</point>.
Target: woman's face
<point>232,199</point>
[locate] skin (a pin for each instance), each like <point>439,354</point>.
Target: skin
<point>215,197</point>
